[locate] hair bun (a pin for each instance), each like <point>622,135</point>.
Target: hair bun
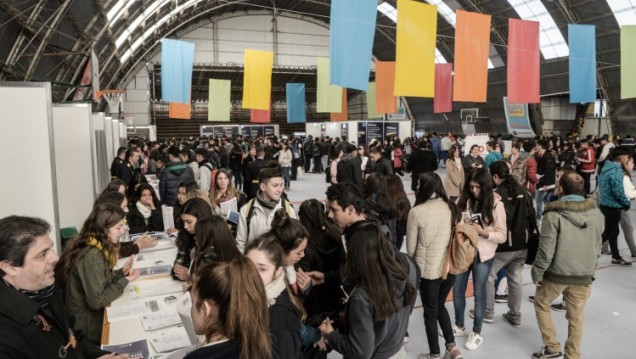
<point>281,219</point>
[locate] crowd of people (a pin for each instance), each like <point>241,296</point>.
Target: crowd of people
<point>299,280</point>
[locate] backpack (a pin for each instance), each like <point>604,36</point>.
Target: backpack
<point>461,250</point>
<point>315,151</point>
<point>250,211</point>
<point>213,172</point>
<point>412,269</point>
<point>387,227</point>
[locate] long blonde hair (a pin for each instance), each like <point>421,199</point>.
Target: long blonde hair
<point>199,193</point>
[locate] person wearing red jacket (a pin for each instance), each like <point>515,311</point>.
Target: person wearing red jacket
<point>586,159</point>
<point>531,168</point>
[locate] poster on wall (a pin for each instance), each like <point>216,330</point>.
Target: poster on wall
<point>231,131</point>
<point>517,119</point>
<point>323,130</point>
<point>219,131</point>
<point>344,130</point>
<point>269,131</point>
<point>375,131</point>
<point>479,140</point>
<point>391,129</point>
<point>256,131</point>
<point>207,131</point>
<point>362,133</point>
<point>246,131</point>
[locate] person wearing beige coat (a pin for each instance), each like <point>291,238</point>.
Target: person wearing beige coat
<point>428,232</point>
<point>454,181</point>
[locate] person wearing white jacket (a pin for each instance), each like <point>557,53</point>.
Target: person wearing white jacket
<point>428,232</point>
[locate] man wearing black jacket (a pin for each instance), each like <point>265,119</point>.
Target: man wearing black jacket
<point>350,166</point>
<point>34,321</point>
<point>378,162</point>
<point>422,160</point>
<point>546,173</point>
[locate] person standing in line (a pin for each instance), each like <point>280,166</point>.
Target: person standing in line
<point>546,172</point>
<point>493,155</point>
<point>285,159</point>
<point>428,233</point>
<point>473,160</point>
<point>586,160</point>
<point>422,160</point>
<point>445,145</point>
<point>565,264</point>
<point>454,180</point>
<point>478,198</point>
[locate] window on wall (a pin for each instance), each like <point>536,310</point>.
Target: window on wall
<point>551,40</point>
<point>624,11</point>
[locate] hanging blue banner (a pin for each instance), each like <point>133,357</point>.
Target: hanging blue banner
<point>351,41</point>
<point>582,43</point>
<point>177,58</point>
<point>296,108</point>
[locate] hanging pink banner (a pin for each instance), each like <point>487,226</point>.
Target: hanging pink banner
<point>443,101</point>
<point>260,116</point>
<point>523,61</point>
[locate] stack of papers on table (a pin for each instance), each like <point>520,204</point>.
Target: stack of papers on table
<point>134,310</point>
<point>170,339</point>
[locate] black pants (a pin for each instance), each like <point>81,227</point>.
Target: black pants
<point>434,294</point>
<point>307,163</point>
<point>586,181</point>
<point>612,219</point>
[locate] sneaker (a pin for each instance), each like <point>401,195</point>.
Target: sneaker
<point>558,307</point>
<point>487,318</point>
<point>456,331</point>
<point>531,298</point>
<point>621,262</point>
<point>453,353</point>
<point>511,320</point>
<point>475,340</point>
<point>545,353</point>
<point>503,298</point>
<point>428,356</point>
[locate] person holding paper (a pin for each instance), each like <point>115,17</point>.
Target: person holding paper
<point>33,319</point>
<point>224,192</point>
<point>192,210</point>
<point>87,269</point>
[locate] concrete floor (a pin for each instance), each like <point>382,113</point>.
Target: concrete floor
<point>610,315</point>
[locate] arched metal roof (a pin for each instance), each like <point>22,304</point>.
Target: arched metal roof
<point>51,40</point>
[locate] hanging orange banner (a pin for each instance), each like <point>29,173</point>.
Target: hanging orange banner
<point>344,115</point>
<point>472,46</point>
<point>385,102</point>
<point>180,111</point>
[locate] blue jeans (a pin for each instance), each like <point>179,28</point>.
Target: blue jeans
<point>287,176</point>
<point>481,272</point>
<point>541,197</point>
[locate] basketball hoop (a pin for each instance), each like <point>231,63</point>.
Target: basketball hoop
<point>113,97</point>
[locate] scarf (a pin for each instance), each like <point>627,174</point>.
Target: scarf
<point>269,204</point>
<point>111,259</point>
<point>144,210</point>
<point>42,296</point>
<point>274,289</point>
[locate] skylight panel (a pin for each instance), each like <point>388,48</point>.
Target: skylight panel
<point>624,11</point>
<point>551,41</point>
<point>388,10</point>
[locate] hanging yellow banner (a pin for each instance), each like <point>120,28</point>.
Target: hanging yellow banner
<point>257,79</point>
<point>415,49</point>
<point>328,97</point>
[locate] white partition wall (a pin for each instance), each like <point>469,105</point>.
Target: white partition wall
<point>73,141</point>
<point>101,166</point>
<point>108,133</point>
<point>115,137</point>
<point>27,121</point>
<point>313,129</point>
<point>405,129</point>
<point>122,130</point>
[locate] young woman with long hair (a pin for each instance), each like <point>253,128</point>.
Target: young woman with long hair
<point>229,308</point>
<point>145,212</point>
<point>401,205</point>
<point>479,198</point>
<point>86,269</point>
<point>285,309</point>
<point>224,191</point>
<point>454,180</point>
<point>380,203</point>
<point>380,298</point>
<point>214,242</point>
<point>428,232</point>
<point>192,210</point>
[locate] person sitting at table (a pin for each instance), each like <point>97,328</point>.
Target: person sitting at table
<point>126,249</point>
<point>229,308</point>
<point>285,309</point>
<point>145,212</point>
<point>115,185</point>
<point>87,269</point>
<point>137,180</point>
<point>214,242</point>
<point>33,320</point>
<point>192,210</point>
<point>224,191</point>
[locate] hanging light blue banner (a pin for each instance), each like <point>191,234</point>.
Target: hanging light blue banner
<point>582,43</point>
<point>296,108</point>
<point>177,58</point>
<point>351,42</point>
